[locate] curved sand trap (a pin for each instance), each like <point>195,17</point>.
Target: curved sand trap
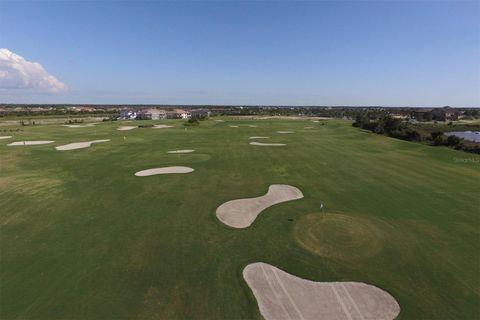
<point>161,126</point>
<point>281,295</point>
<point>182,151</point>
<point>241,213</point>
<point>233,126</point>
<point>259,137</point>
<point>79,145</point>
<point>5,137</point>
<point>285,131</point>
<point>164,170</point>
<point>29,143</point>
<point>124,128</point>
<point>267,144</point>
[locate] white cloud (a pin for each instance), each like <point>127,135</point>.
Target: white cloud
<point>18,73</point>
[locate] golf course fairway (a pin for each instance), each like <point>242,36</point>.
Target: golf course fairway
<point>81,237</point>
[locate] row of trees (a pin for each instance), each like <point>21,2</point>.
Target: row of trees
<point>388,126</point>
<point>399,129</point>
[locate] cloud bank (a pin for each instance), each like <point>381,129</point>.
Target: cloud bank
<point>18,73</point>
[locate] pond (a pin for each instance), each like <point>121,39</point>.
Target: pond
<point>467,135</point>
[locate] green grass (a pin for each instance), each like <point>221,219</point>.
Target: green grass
<point>82,238</point>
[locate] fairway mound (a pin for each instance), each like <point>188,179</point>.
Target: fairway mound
<point>258,137</point>
<point>5,137</point>
<point>281,295</point>
<point>241,213</point>
<point>164,170</point>
<point>79,145</point>
<point>29,143</point>
<point>267,144</point>
<point>182,151</point>
<point>285,131</point>
<point>340,237</point>
<point>162,126</point>
<point>125,128</point>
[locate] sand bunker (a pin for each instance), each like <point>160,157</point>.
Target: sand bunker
<point>281,295</point>
<point>233,126</point>
<point>164,170</point>
<point>161,126</point>
<point>29,143</point>
<point>79,145</point>
<point>267,144</point>
<point>124,128</point>
<point>79,125</point>
<point>5,137</point>
<point>182,151</point>
<point>218,120</point>
<point>241,213</point>
<point>258,137</point>
<point>252,126</point>
<point>285,131</point>
<point>308,127</point>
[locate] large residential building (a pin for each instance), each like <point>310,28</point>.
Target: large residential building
<point>178,114</point>
<point>155,114</point>
<point>199,113</point>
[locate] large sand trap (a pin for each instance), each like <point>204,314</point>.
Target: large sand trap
<point>285,131</point>
<point>181,151</point>
<point>5,137</point>
<point>281,295</point>
<point>161,126</point>
<point>29,143</point>
<point>258,137</point>
<point>79,145</point>
<point>267,144</point>
<point>241,213</point>
<point>124,128</point>
<point>164,170</point>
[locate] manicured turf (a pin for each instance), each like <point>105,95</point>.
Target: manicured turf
<point>81,237</point>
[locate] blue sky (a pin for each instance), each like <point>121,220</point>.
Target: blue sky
<point>417,53</point>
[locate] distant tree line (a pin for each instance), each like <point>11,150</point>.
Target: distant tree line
<point>396,128</point>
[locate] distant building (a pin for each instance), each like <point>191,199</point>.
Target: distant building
<point>199,113</point>
<point>178,114</point>
<point>128,115</point>
<point>155,114</point>
<point>86,109</point>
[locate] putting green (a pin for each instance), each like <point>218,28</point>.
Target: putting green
<point>339,236</point>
